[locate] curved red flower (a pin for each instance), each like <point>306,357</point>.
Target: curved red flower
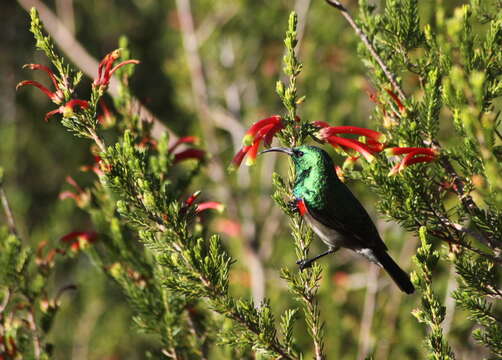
<point>187,154</point>
<point>427,155</point>
<point>106,68</point>
<point>79,239</point>
<point>67,109</point>
<point>261,131</point>
<point>374,139</point>
<point>56,96</point>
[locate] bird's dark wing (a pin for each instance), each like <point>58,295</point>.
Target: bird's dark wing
<point>342,212</point>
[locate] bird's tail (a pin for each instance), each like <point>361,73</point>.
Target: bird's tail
<point>396,273</point>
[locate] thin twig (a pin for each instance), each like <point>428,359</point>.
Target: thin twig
<point>11,223</point>
<point>359,32</point>
<point>37,343</point>
<point>5,300</point>
<point>449,302</point>
<point>99,142</point>
<point>466,199</point>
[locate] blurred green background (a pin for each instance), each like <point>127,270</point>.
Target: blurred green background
<point>240,47</point>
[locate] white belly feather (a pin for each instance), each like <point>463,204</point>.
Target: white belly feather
<point>335,240</point>
<point>329,236</point>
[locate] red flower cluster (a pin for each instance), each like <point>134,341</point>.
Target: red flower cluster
<point>414,155</point>
<point>263,130</point>
<point>374,139</point>
<point>82,197</point>
<point>67,109</point>
<point>99,167</point>
<point>190,153</point>
<point>57,97</point>
<point>79,239</point>
<point>106,68</point>
<point>187,154</point>
<point>106,118</point>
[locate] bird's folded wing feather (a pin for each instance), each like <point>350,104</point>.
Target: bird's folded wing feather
<point>345,214</point>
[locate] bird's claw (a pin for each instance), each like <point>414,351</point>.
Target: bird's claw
<point>293,206</point>
<point>304,264</point>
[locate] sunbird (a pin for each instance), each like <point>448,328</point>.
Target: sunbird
<point>333,212</point>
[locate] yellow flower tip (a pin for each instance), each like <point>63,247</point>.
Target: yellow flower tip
<point>67,112</point>
<point>250,161</point>
<point>248,140</point>
<point>389,151</point>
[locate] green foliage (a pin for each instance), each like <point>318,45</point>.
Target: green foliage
<point>432,313</point>
<point>186,287</point>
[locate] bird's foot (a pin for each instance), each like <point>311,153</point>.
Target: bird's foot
<point>304,264</point>
<point>293,206</point>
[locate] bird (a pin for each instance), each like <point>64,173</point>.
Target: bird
<point>328,206</point>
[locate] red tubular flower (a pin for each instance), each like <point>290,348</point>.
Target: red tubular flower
<point>253,153</point>
<point>375,146</point>
<point>352,144</point>
<point>263,130</point>
<point>189,154</point>
<point>321,124</point>
<point>271,133</point>
<point>96,167</point>
<point>79,239</point>
<point>192,198</point>
<point>67,109</point>
<point>237,160</point>
<point>184,140</point>
<point>257,126</point>
<point>209,205</point>
<point>230,227</point>
<point>57,96</point>
<point>106,118</point>
<point>407,150</point>
<point>148,141</point>
<point>396,99</point>
<point>370,134</point>
<point>81,196</point>
<point>374,139</point>
<point>428,155</point>
<point>106,68</point>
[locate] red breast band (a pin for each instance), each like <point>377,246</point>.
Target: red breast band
<point>302,208</point>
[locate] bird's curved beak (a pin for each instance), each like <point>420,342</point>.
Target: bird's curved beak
<point>278,149</point>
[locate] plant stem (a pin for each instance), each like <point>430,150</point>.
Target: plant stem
<point>37,345</point>
<point>359,32</point>
<point>8,212</point>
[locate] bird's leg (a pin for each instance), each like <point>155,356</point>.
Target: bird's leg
<point>306,263</point>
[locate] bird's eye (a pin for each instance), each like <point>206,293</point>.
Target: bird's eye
<point>298,153</point>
